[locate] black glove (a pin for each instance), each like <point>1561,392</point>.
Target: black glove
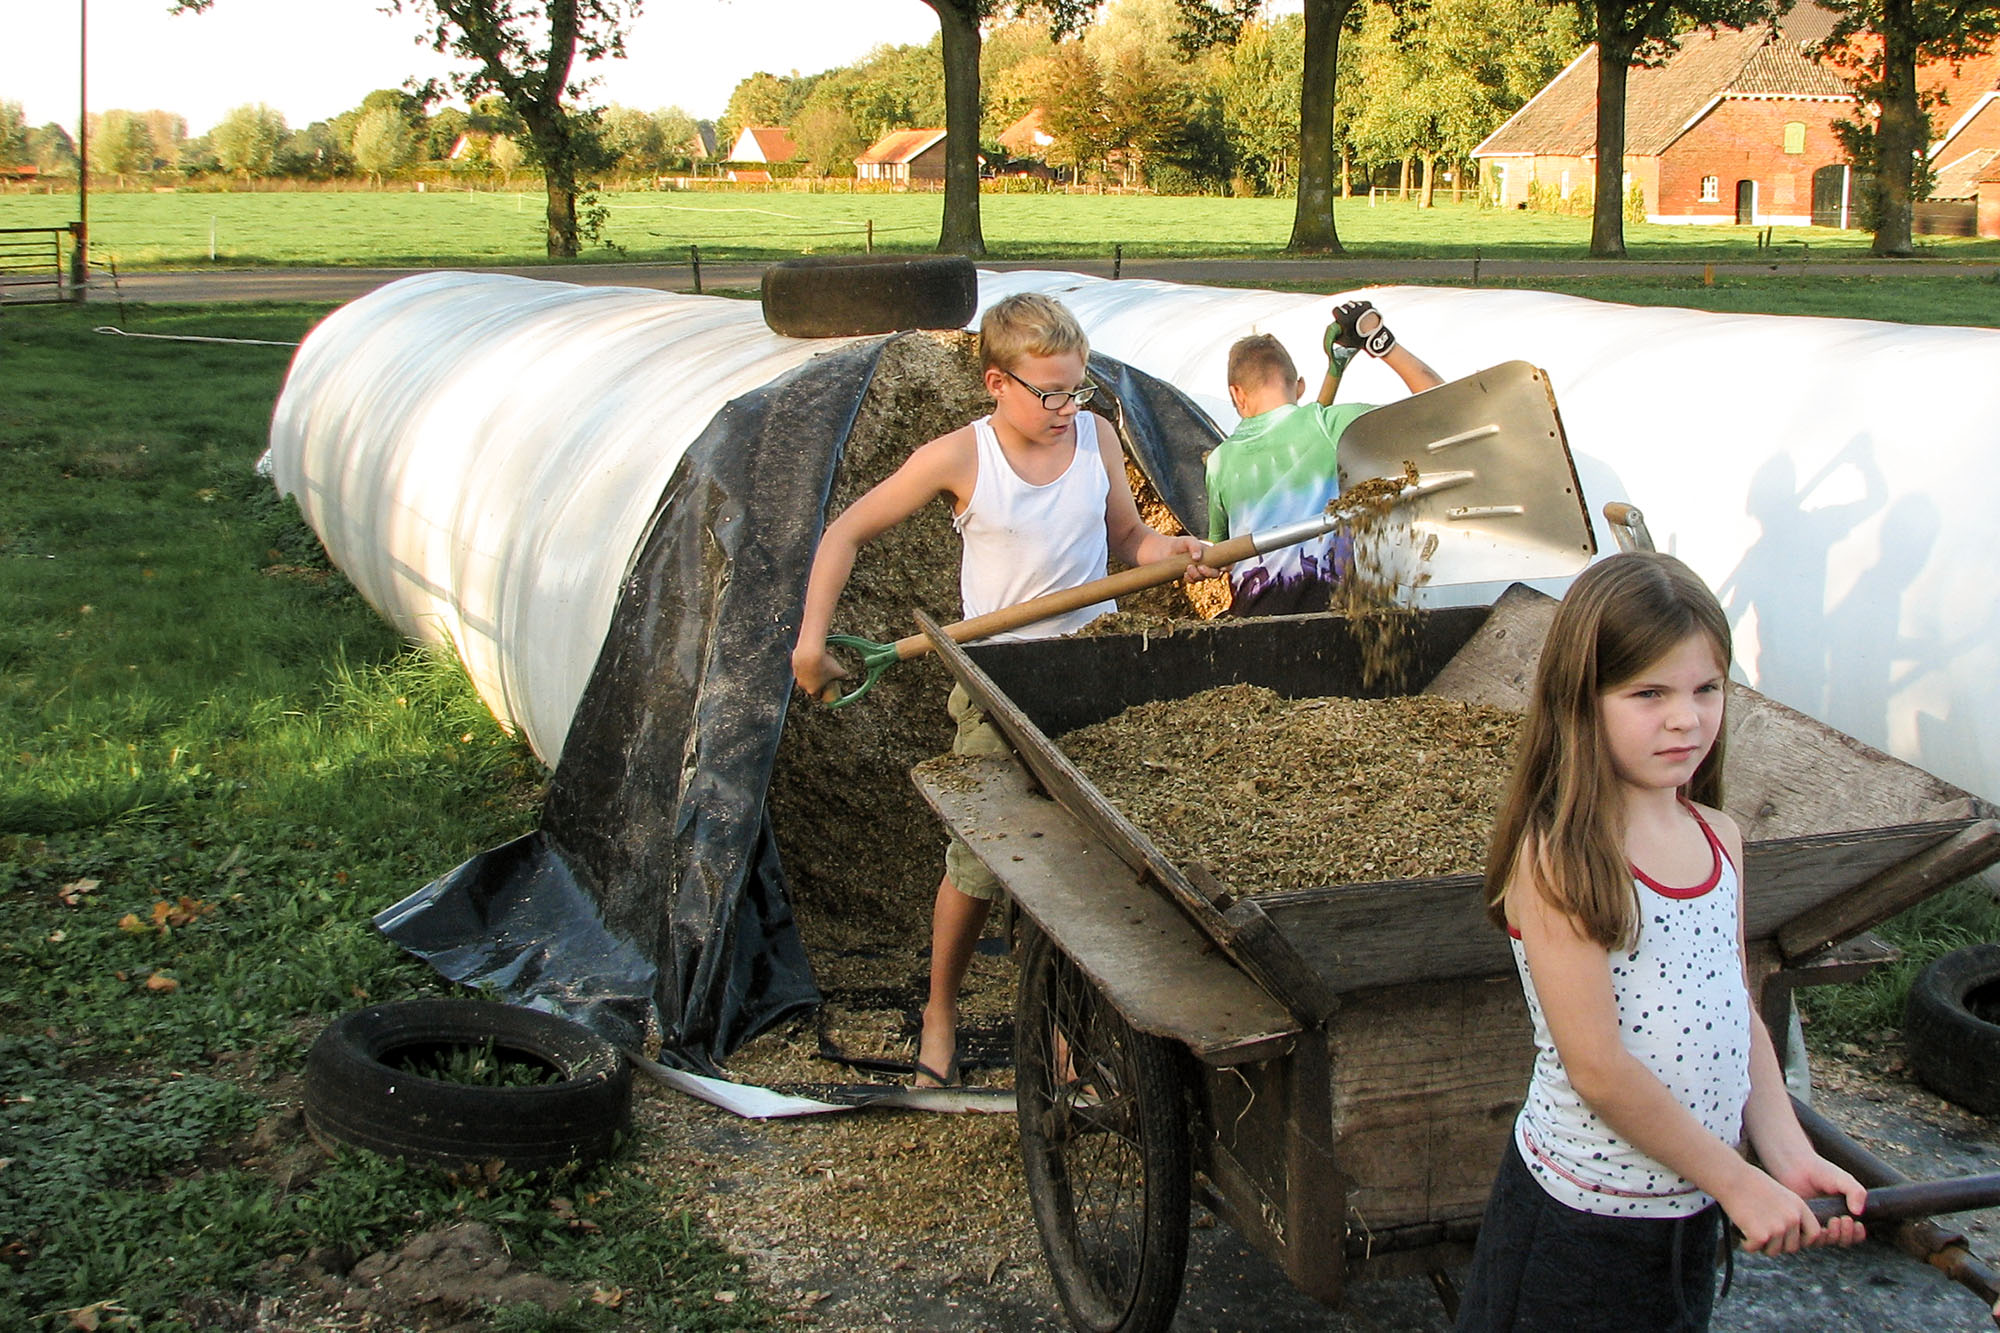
<point>1358,324</point>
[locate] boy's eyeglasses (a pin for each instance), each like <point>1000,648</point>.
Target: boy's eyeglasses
<point>1055,400</point>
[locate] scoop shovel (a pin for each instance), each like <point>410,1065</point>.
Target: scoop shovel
<point>1370,497</point>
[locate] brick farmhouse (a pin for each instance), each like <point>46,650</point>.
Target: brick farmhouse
<point>1737,127</point>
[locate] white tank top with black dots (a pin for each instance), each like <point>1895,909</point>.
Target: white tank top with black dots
<point>1684,1012</point>
<point>1022,541</point>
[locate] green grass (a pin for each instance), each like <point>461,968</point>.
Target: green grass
<point>218,764</point>
<point>1961,298</point>
<point>145,230</point>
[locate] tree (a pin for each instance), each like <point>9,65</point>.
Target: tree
<point>1208,22</point>
<point>1069,87</point>
<point>1442,77</point>
<point>168,131</point>
<point>247,140</point>
<point>13,135</point>
<point>1880,44</point>
<point>958,26</point>
<point>119,144</point>
<point>678,133</point>
<point>1260,82</point>
<point>51,149</point>
<point>442,132</point>
<point>524,51</point>
<point>1640,32</point>
<point>632,139</point>
<point>382,142</point>
<point>761,99</point>
<point>506,156</point>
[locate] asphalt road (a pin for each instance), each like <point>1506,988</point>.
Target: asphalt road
<point>344,284</point>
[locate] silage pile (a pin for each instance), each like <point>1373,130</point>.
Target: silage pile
<point>1272,793</point>
<point>862,851</point>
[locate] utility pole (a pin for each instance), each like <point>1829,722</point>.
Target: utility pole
<point>79,263</point>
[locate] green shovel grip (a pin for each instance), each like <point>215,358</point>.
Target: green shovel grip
<point>875,659</point>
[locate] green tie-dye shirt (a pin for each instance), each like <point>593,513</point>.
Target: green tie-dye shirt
<point>1275,468</point>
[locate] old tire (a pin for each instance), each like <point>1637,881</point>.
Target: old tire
<point>1104,1146</point>
<point>1948,1027</point>
<point>839,296</point>
<point>357,1097</point>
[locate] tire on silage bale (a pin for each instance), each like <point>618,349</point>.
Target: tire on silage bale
<point>839,296</point>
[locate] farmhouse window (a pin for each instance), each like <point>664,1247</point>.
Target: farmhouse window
<point>1711,189</point>
<point>1795,136</point>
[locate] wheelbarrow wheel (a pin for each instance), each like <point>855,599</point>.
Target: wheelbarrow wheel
<point>1104,1144</point>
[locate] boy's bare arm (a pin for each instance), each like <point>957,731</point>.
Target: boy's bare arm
<point>1129,537</point>
<point>946,466</point>
<point>1415,374</point>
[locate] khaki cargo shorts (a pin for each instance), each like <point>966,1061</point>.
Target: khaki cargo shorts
<point>974,735</point>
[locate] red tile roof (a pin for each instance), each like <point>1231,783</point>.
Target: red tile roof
<point>772,142</point>
<point>900,146</point>
<point>1662,102</point>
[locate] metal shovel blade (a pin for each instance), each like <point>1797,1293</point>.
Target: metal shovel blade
<point>1513,508</point>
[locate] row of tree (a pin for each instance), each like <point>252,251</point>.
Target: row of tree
<point>525,51</point>
<point>1133,93</point>
<point>389,131</point>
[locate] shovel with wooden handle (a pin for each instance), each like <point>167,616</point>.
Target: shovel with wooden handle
<point>879,657</point>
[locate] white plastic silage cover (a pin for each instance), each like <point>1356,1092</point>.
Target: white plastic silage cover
<point>482,455</point>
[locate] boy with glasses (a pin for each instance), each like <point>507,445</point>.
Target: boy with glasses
<point>1039,496</point>
<point>1281,463</point>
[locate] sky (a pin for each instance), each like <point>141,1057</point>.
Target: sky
<point>313,59</point>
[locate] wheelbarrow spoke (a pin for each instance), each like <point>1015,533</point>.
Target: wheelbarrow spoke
<point>1104,1146</point>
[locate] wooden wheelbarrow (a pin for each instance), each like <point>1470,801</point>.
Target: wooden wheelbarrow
<point>1334,1071</point>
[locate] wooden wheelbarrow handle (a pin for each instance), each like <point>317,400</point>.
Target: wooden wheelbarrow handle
<point>879,657</point>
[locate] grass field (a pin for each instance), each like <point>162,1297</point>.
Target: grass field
<point>404,228</point>
<point>220,763</point>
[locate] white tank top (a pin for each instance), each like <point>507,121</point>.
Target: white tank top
<point>1022,541</point>
<point>1684,1012</point>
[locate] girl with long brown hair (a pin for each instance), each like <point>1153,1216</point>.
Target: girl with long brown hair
<point>1617,877</point>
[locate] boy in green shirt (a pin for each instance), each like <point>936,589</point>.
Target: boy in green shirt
<point>1281,463</point>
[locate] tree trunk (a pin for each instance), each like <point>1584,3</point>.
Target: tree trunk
<point>550,133</point>
<point>1403,177</point>
<point>958,25</point>
<point>1346,172</point>
<point>1900,134</point>
<point>1614,60</point>
<point>1312,221</point>
<point>1429,196</point>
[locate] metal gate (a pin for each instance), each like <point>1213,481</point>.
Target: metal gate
<point>31,268</point>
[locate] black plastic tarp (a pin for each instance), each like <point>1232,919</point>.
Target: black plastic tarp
<point>652,896</point>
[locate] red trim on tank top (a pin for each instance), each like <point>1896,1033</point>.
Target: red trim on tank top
<point>1714,870</point>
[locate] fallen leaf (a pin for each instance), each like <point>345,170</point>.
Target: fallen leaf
<point>725,1297</point>
<point>132,925</point>
<point>72,892</point>
<point>162,983</point>
<point>609,1297</point>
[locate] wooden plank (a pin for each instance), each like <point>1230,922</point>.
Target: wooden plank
<point>1966,852</point>
<point>1249,940</point>
<point>1263,1141</point>
<point>1497,664</point>
<point>1426,1083</point>
<point>1155,968</point>
<point>1401,931</point>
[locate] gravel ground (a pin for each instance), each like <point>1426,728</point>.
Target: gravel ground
<point>879,1220</point>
